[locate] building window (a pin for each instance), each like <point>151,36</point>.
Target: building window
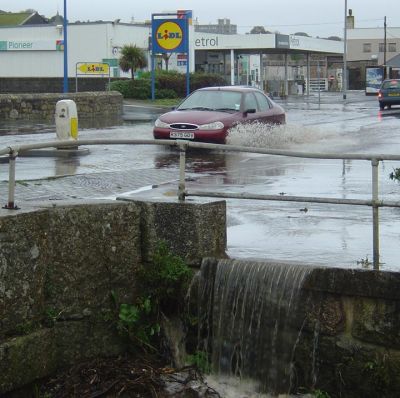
<point>367,47</point>
<point>392,47</point>
<point>381,47</point>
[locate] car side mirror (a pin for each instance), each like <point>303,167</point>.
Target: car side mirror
<point>252,110</point>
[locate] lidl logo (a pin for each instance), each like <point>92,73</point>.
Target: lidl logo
<point>92,68</point>
<point>169,35</point>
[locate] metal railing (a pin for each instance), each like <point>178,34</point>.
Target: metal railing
<point>374,159</point>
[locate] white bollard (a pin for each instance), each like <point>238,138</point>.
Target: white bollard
<point>66,120</point>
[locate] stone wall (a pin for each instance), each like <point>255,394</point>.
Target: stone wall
<point>91,106</point>
<point>60,263</point>
<point>351,339</point>
<point>23,85</point>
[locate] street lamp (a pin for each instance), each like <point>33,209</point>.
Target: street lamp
<point>344,74</point>
<point>65,23</point>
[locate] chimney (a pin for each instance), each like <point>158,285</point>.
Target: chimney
<point>350,20</point>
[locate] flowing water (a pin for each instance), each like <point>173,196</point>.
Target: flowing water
<point>250,323</point>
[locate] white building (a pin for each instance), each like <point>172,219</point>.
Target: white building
<point>366,48</point>
<point>37,51</point>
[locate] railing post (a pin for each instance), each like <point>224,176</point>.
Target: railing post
<point>182,167</point>
<point>11,182</point>
<point>375,213</point>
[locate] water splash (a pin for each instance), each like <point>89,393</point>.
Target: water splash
<point>298,136</point>
<point>273,136</point>
<point>252,311</point>
<point>229,387</point>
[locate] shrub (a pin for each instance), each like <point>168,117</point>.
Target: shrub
<point>138,89</point>
<point>168,84</point>
<point>165,93</point>
<point>163,283</point>
<point>172,81</point>
<point>199,80</point>
<point>166,279</point>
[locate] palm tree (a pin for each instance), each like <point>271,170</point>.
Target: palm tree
<point>166,58</point>
<point>132,58</point>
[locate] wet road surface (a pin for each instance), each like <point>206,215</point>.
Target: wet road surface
<point>328,234</point>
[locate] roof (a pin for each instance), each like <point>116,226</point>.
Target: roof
<point>394,62</point>
<point>20,18</point>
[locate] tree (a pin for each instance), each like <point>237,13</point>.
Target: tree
<point>335,38</point>
<point>132,58</point>
<point>166,58</point>
<point>258,30</point>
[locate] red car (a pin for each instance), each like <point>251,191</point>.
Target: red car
<point>208,114</point>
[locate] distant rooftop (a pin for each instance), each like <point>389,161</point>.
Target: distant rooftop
<point>223,26</point>
<point>21,18</point>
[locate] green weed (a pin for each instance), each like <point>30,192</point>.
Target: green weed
<point>200,360</point>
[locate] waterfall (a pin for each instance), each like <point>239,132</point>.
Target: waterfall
<point>250,319</point>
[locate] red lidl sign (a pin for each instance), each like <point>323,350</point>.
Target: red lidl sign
<point>169,35</point>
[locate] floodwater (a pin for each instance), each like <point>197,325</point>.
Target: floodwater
<point>334,235</point>
<point>331,235</point>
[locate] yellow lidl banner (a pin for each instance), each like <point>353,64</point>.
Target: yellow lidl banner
<point>90,68</point>
<point>99,69</point>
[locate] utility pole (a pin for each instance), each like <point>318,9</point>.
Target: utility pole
<point>344,74</point>
<point>384,49</point>
<point>65,25</point>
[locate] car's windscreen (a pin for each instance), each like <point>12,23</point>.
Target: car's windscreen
<point>212,100</point>
<point>391,84</point>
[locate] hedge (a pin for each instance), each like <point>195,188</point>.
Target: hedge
<point>167,84</point>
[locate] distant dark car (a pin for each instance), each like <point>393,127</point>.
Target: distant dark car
<point>389,93</point>
<point>208,113</point>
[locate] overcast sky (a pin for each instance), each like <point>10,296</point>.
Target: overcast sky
<point>316,17</point>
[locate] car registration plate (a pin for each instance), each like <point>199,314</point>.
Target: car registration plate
<point>394,94</point>
<point>181,134</point>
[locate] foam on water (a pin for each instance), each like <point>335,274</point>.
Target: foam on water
<point>230,387</point>
<point>267,136</point>
<point>286,136</point>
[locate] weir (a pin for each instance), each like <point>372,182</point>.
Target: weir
<point>253,320</point>
<point>295,328</point>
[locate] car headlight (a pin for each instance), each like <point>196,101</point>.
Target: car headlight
<point>212,126</point>
<point>159,123</point>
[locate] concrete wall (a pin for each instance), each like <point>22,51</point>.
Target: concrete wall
<point>41,107</point>
<point>59,265</point>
